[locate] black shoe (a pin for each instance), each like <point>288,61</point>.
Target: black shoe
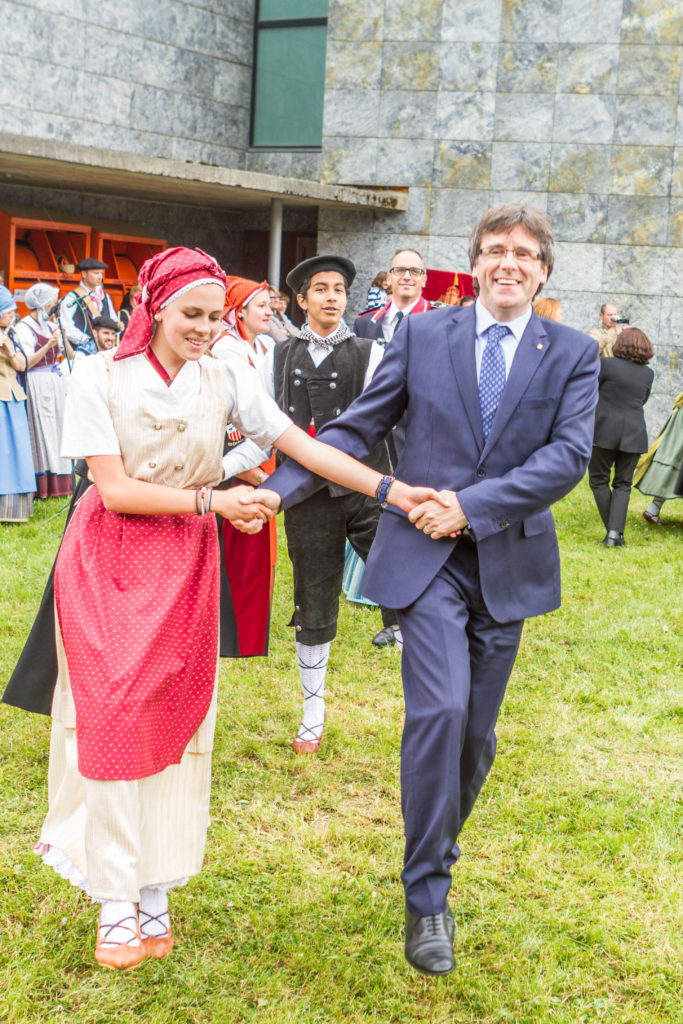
<point>651,517</point>
<point>429,942</point>
<point>614,539</point>
<point>385,638</point>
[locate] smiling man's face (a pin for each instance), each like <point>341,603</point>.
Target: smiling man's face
<point>507,285</point>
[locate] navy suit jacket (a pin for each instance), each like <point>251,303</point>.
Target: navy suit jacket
<point>537,451</point>
<point>369,325</point>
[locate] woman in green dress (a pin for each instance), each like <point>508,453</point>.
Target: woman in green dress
<point>659,472</point>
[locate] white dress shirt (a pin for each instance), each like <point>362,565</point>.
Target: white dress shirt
<point>509,343</point>
<point>389,318</point>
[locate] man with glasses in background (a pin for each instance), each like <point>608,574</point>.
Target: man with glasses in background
<point>408,277</point>
<point>499,419</point>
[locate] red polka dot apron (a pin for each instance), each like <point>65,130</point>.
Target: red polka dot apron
<point>137,598</point>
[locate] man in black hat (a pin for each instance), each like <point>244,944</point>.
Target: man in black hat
<point>82,305</point>
<point>316,375</point>
<point>105,335</point>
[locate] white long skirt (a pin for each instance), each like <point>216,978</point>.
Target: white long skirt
<point>114,838</point>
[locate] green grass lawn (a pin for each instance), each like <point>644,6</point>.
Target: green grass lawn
<point>567,897</point>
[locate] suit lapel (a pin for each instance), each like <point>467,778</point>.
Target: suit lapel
<point>530,351</point>
<point>461,334</point>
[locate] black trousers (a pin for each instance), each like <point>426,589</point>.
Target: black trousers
<point>317,529</point>
<point>612,500</point>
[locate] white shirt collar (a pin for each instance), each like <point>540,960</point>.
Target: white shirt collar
<point>390,314</point>
<point>484,319</point>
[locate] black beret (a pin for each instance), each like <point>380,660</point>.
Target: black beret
<point>318,264</point>
<point>90,263</point>
<point>105,321</point>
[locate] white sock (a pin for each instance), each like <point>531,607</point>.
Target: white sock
<point>118,912</point>
<point>399,638</point>
<point>312,669</point>
<point>154,916</point>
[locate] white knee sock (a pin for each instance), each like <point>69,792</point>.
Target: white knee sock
<point>118,912</point>
<point>312,669</point>
<point>154,916</point>
<point>399,638</point>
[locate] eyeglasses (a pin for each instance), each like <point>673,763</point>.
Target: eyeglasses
<point>413,271</point>
<point>498,252</point>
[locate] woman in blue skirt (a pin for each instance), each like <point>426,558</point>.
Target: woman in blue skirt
<point>17,479</point>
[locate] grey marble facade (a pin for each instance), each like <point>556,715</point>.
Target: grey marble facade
<point>574,106</point>
<point>169,79</point>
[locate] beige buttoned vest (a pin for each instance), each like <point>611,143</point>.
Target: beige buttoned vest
<point>179,449</point>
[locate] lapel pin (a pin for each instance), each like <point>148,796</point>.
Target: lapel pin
<point>539,345</point>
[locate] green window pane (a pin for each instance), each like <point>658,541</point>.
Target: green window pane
<point>289,89</point>
<point>283,10</point>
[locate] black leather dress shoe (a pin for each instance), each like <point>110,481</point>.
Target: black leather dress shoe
<point>429,942</point>
<point>385,638</point>
<point>614,539</point>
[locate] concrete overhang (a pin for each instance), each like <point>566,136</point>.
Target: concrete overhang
<point>65,166</point>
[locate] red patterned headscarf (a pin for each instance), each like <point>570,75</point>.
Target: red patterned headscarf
<point>239,292</point>
<point>165,277</point>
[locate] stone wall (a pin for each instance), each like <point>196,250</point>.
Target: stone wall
<point>169,79</point>
<point>573,107</point>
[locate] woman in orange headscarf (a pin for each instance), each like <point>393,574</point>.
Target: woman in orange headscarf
<point>247,561</point>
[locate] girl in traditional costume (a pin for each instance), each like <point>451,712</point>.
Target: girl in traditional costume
<point>136,594</point>
<point>47,384</point>
<point>17,479</point>
<point>247,560</point>
<point>659,472</point>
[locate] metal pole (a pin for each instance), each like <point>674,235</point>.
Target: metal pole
<point>275,243</point>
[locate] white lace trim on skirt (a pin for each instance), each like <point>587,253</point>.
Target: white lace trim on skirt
<point>65,868</point>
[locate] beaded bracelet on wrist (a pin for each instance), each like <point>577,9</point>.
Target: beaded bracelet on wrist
<point>383,490</point>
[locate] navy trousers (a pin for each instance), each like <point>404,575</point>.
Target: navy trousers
<point>456,664</point>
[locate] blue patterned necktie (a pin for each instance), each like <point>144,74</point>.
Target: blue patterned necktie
<point>491,376</point>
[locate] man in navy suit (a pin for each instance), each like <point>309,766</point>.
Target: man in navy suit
<point>408,277</point>
<point>499,408</point>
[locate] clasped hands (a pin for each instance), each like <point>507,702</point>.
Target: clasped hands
<point>436,513</point>
<point>247,508</point>
<point>440,516</point>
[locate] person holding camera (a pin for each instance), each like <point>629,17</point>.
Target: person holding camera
<point>611,324</point>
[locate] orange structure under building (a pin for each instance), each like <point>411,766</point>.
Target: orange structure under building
<point>35,247</point>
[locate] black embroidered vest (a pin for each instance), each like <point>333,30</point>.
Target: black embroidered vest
<point>318,394</point>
